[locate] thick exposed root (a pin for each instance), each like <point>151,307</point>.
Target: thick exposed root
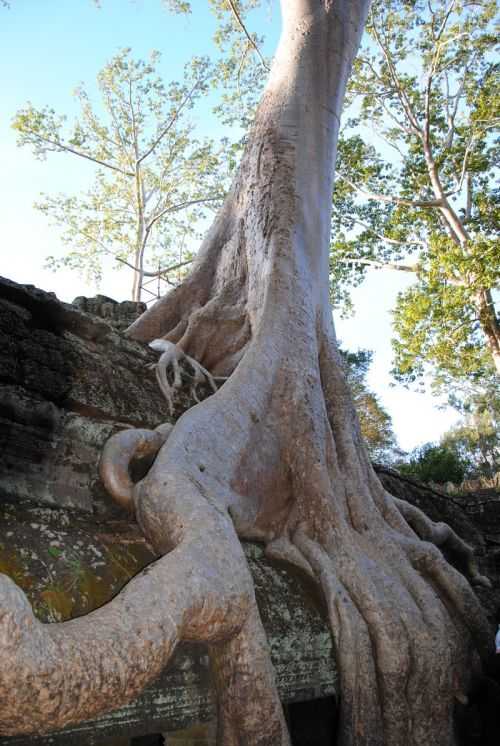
<point>249,709</point>
<point>117,455</point>
<point>397,681</point>
<point>201,590</point>
<point>56,674</point>
<point>402,617</point>
<point>242,670</point>
<point>442,535</point>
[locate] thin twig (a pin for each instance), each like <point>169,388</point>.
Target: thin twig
<point>67,148</point>
<point>386,239</point>
<point>391,199</point>
<point>240,23</point>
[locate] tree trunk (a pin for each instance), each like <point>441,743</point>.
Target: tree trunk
<point>141,236</point>
<point>275,455</point>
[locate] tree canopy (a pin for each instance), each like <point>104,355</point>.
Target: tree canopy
<point>435,463</point>
<point>476,439</point>
<point>415,188</point>
<point>154,178</point>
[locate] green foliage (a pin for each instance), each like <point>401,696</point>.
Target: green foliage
<point>156,181</point>
<point>434,463</point>
<point>415,188</point>
<point>242,69</point>
<point>476,440</point>
<point>470,449</point>
<point>376,424</point>
<point>153,180</point>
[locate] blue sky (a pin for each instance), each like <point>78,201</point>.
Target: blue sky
<point>48,48</point>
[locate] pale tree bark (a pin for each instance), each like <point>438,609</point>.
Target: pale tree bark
<point>275,455</point>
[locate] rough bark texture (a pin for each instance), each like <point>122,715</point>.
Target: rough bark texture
<point>275,455</point>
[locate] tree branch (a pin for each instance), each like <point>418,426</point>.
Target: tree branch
<point>412,268</point>
<point>464,163</point>
<point>170,268</point>
<point>422,203</point>
<point>171,122</point>
<point>399,89</point>
<point>242,26</point>
<point>69,149</point>
<point>154,273</point>
<point>134,123</point>
<point>181,206</point>
<point>400,125</point>
<point>447,14</point>
<point>386,239</point>
<point>430,78</point>
<point>451,116</point>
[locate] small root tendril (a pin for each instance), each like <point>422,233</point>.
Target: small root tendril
<point>175,368</point>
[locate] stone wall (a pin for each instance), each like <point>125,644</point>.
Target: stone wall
<point>68,380</point>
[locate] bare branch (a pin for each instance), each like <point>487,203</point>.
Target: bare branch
<point>422,203</point>
<point>153,273</point>
<point>391,143</point>
<point>134,123</point>
<point>240,67</point>
<point>451,115</point>
<point>392,241</point>
<point>444,23</point>
<point>240,23</point>
<point>69,149</point>
<point>463,170</point>
<point>412,268</point>
<point>170,268</point>
<point>181,206</point>
<point>427,115</point>
<point>468,207</point>
<point>400,125</point>
<point>172,121</point>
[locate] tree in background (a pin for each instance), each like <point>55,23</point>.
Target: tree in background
<point>476,440</point>
<point>154,180</point>
<point>425,91</point>
<point>470,449</point>
<point>434,463</point>
<point>375,422</point>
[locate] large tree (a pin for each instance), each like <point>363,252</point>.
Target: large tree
<point>417,183</point>
<point>274,455</point>
<point>476,439</point>
<point>153,178</point>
